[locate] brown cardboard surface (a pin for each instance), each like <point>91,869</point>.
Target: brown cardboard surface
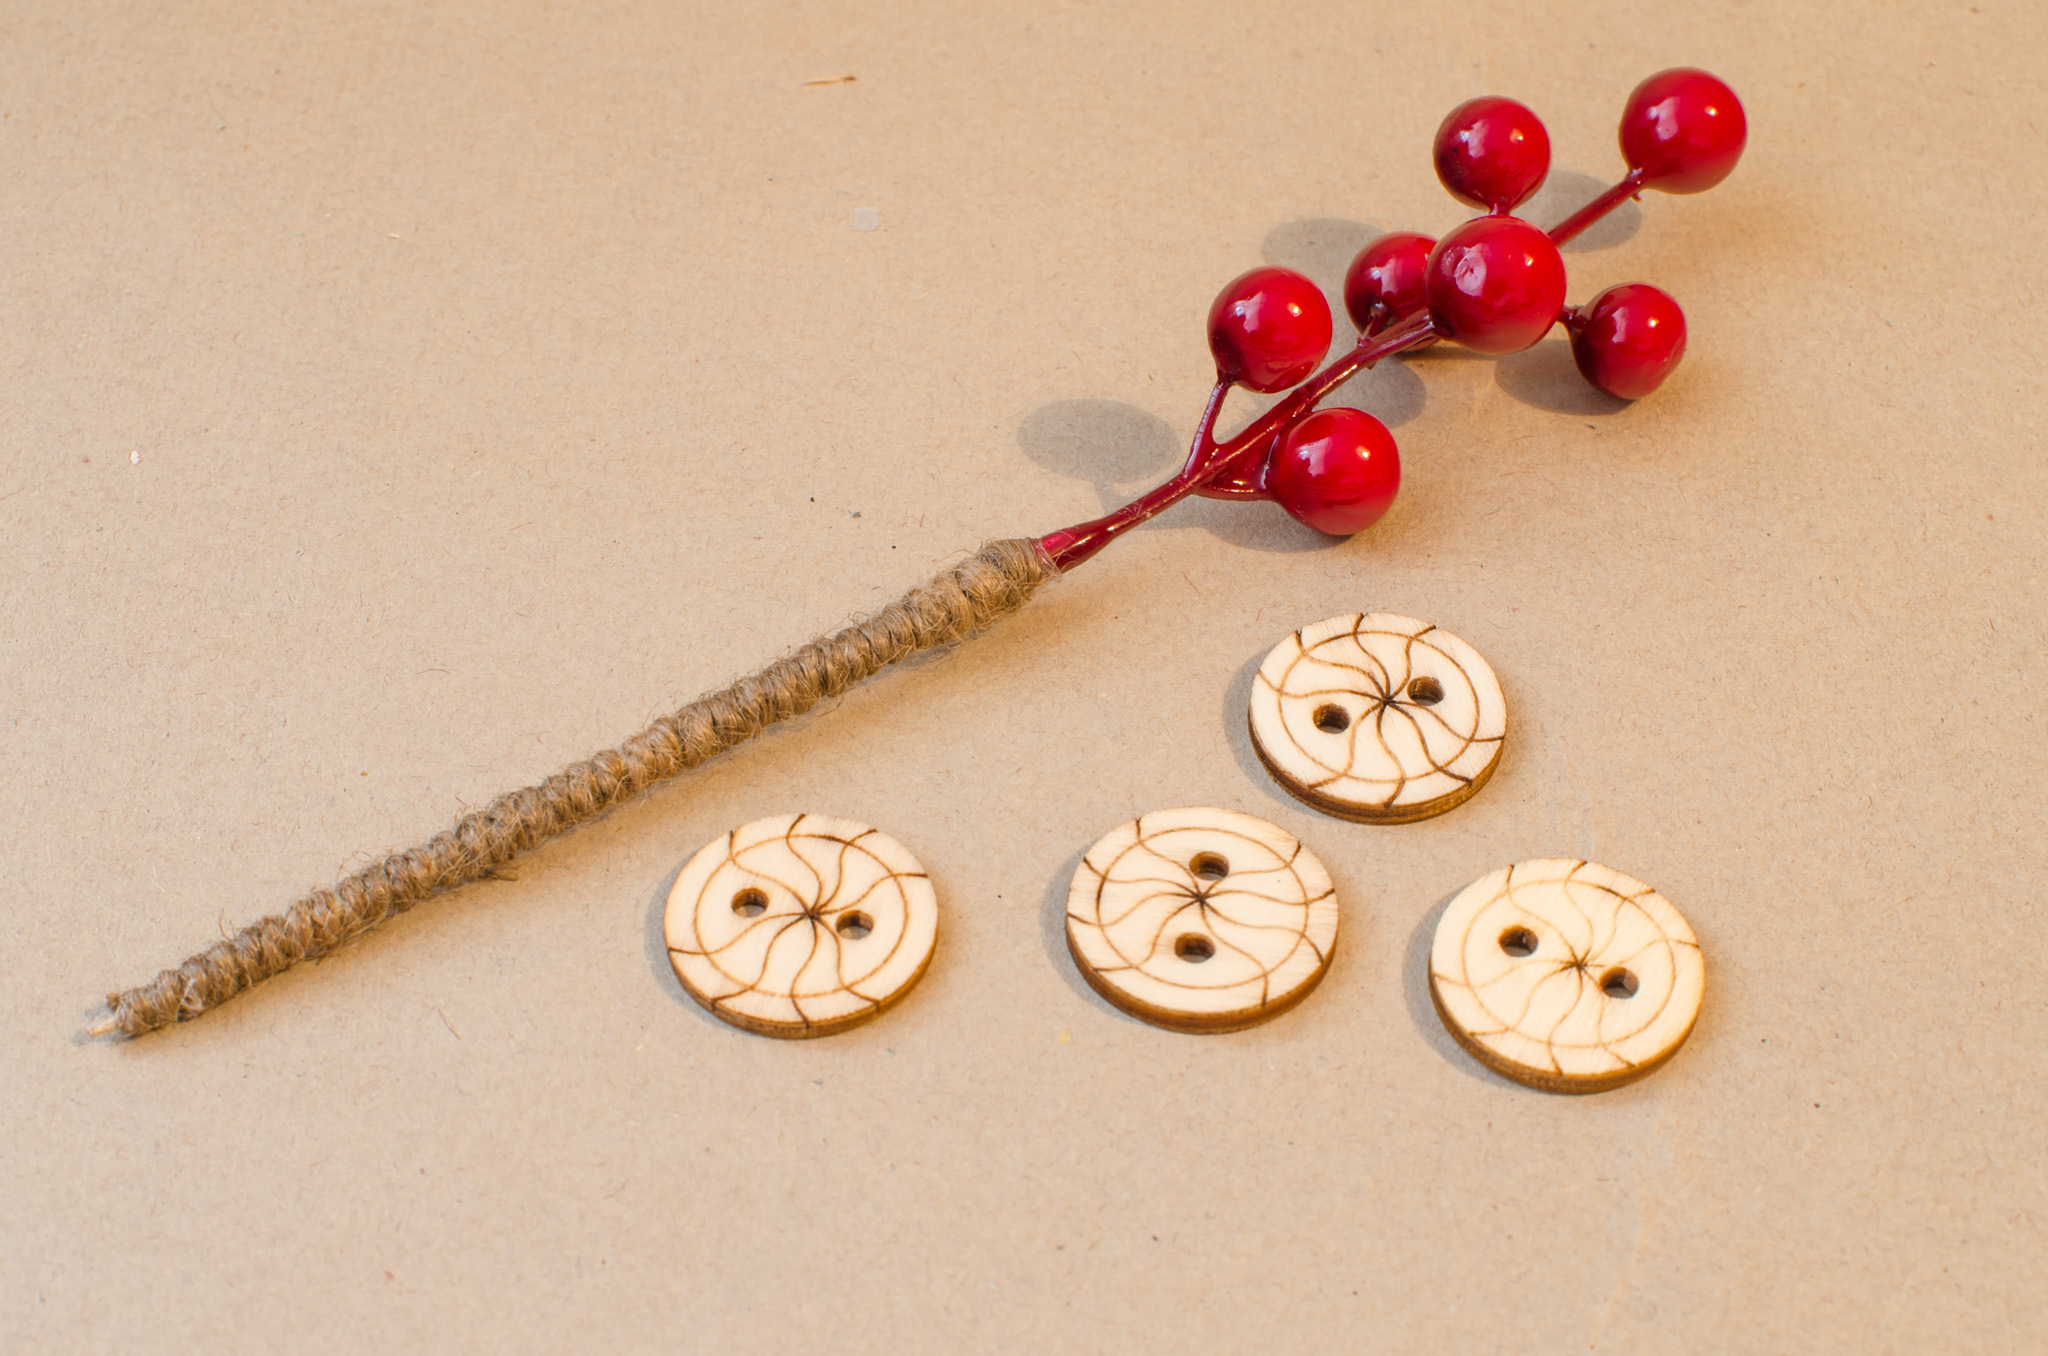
<point>399,401</point>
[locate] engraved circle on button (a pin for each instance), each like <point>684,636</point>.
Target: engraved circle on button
<point>1566,975</point>
<point>1377,718</point>
<point>801,925</point>
<point>1201,920</point>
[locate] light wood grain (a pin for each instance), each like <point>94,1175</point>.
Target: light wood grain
<point>1566,975</point>
<point>801,925</point>
<point>1201,920</point>
<point>1377,718</point>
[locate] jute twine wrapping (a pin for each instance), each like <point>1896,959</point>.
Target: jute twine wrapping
<point>992,583</point>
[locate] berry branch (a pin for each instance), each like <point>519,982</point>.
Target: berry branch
<point>1495,284</point>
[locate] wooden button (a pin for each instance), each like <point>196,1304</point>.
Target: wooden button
<point>1377,718</point>
<point>1567,976</point>
<point>801,925</point>
<point>1201,920</point>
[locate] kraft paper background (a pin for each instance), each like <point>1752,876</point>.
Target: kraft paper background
<point>399,401</point>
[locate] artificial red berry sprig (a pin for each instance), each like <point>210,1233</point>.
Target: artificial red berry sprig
<point>1495,284</point>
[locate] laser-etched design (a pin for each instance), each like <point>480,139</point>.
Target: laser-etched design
<point>1566,975</point>
<point>1377,718</point>
<point>801,925</point>
<point>1201,920</point>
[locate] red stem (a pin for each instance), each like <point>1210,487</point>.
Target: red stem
<point>1631,184</point>
<point>1203,450</point>
<point>1070,546</point>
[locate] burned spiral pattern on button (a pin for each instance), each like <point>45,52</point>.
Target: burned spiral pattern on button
<point>1201,920</point>
<point>1566,975</point>
<point>801,925</point>
<point>1377,718</point>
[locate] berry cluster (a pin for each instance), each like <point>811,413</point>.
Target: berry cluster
<point>1495,284</point>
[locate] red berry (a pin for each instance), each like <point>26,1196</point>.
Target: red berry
<point>1492,152</point>
<point>1385,281</point>
<point>1682,131</point>
<point>1269,329</point>
<point>1495,284</point>
<point>1628,340</point>
<point>1336,470</point>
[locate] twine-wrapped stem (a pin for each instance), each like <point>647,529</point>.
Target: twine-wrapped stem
<point>995,581</point>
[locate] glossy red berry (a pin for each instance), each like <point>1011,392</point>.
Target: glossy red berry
<point>1628,339</point>
<point>1385,280</point>
<point>1336,470</point>
<point>1683,131</point>
<point>1269,329</point>
<point>1492,153</point>
<point>1495,284</point>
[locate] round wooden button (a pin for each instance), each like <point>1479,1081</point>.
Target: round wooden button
<point>1201,920</point>
<point>1377,718</point>
<point>801,925</point>
<point>1567,976</point>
